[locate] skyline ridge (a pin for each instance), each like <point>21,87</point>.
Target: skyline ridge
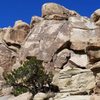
<point>14,10</point>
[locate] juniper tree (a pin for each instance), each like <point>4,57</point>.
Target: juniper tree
<point>29,77</point>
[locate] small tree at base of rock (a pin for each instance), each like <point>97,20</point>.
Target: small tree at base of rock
<point>29,77</point>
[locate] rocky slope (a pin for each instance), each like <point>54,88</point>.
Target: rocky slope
<point>68,44</point>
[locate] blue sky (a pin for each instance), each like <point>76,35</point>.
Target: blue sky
<point>12,10</point>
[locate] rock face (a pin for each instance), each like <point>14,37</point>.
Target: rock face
<point>78,60</point>
<point>56,12</point>
<point>94,97</point>
<point>61,58</point>
<point>7,57</point>
<point>63,96</point>
<point>35,20</point>
<point>67,43</point>
<point>96,17</point>
<point>25,96</point>
<point>83,33</point>
<point>40,96</point>
<point>14,36</point>
<point>43,96</point>
<point>75,81</point>
<point>46,38</point>
<point>20,25</point>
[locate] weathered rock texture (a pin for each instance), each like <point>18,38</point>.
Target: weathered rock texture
<point>54,11</point>
<point>96,17</point>
<point>75,81</point>
<point>68,44</point>
<point>24,96</point>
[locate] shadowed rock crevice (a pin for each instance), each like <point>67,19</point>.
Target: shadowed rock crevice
<point>64,46</point>
<point>77,66</point>
<point>79,51</point>
<point>94,48</point>
<point>14,44</point>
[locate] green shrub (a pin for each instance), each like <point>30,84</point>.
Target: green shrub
<point>29,77</point>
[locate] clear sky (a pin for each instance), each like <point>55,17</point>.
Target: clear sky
<point>12,10</point>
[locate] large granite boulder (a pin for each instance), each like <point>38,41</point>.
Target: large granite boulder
<point>61,58</point>
<point>46,39</point>
<point>20,25</point>
<point>75,80</point>
<point>56,12</point>
<point>83,33</point>
<point>80,61</point>
<point>96,17</point>
<point>13,36</point>
<point>35,20</point>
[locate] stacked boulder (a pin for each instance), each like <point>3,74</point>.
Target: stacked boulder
<point>96,17</point>
<point>11,39</point>
<point>67,43</point>
<point>10,42</point>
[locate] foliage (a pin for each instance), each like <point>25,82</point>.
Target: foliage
<point>29,77</point>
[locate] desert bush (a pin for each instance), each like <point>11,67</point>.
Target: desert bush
<point>29,77</point>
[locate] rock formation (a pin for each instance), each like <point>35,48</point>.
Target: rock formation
<point>68,44</point>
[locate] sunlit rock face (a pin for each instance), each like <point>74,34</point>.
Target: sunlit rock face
<point>21,26</point>
<point>7,57</point>
<point>52,11</point>
<point>63,38</point>
<point>46,38</point>
<point>67,43</point>
<point>96,17</point>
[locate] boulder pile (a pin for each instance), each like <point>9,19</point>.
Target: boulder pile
<point>67,43</point>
